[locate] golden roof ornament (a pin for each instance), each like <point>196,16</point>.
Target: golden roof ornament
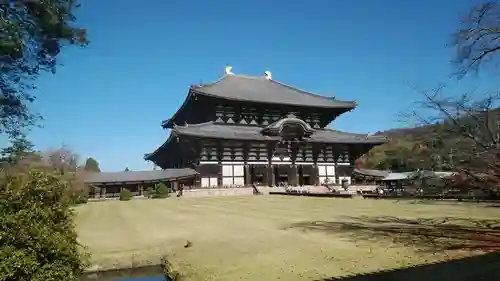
<point>228,70</point>
<point>268,74</point>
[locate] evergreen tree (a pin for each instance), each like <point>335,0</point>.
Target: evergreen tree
<point>32,34</point>
<point>92,165</point>
<point>20,147</point>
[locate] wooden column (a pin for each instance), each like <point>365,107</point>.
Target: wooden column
<point>336,153</point>
<point>220,151</point>
<point>315,151</point>
<point>292,176</point>
<point>269,175</point>
<point>97,191</point>
<point>103,192</point>
<point>315,176</point>
<point>248,175</point>
<point>141,190</point>
<point>269,168</point>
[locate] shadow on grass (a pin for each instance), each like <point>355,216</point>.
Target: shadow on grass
<point>477,268</point>
<point>471,203</point>
<point>435,234</point>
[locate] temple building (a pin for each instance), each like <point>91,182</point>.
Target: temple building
<point>243,130</point>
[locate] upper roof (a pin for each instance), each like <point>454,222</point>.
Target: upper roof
<point>227,131</point>
<point>264,90</point>
<point>139,176</point>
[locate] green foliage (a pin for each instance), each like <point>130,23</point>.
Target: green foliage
<point>169,270</point>
<point>92,165</point>
<point>437,147</point>
<point>32,34</point>
<point>149,192</point>
<point>161,191</point>
<point>125,195</point>
<point>38,241</point>
<point>20,148</point>
<point>80,197</point>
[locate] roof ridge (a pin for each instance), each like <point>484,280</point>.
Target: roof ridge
<point>211,83</point>
<point>226,76</point>
<point>308,93</point>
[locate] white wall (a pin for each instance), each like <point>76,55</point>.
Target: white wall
<point>345,178</point>
<point>326,170</point>
<point>208,181</point>
<point>233,175</point>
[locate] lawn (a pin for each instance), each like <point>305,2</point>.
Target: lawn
<point>278,237</point>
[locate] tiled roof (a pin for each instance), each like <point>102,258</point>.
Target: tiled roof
<point>399,176</point>
<point>260,89</point>
<point>139,176</point>
<point>241,132</point>
<point>372,173</point>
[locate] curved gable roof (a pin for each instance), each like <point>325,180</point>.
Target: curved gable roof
<point>241,132</point>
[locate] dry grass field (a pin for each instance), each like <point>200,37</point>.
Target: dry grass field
<point>278,237</point>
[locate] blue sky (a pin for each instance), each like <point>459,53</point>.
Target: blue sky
<point>108,100</point>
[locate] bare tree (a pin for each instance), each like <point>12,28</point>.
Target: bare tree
<point>466,128</point>
<point>62,159</point>
<point>478,39</point>
<point>466,134</point>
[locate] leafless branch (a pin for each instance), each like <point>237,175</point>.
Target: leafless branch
<point>478,39</point>
<point>471,128</point>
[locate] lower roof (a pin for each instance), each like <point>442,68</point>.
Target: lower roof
<point>139,176</point>
<point>372,173</point>
<point>245,132</point>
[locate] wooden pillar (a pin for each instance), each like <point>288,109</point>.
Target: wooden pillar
<point>315,175</point>
<point>103,192</point>
<point>141,190</point>
<point>269,169</point>
<point>315,151</point>
<point>220,151</point>
<point>292,175</point>
<point>269,175</point>
<point>337,151</point>
<point>248,175</point>
<point>175,185</point>
<point>97,191</point>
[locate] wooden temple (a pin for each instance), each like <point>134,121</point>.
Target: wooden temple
<point>243,130</point>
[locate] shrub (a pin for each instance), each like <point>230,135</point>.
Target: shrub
<point>125,194</point>
<point>81,197</point>
<point>169,270</point>
<point>37,236</point>
<point>161,191</point>
<point>149,192</point>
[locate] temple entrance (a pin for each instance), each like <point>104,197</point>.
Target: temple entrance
<point>281,173</point>
<point>306,174</point>
<point>257,174</point>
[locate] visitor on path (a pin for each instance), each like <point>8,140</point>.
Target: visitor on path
<point>179,193</point>
<point>345,185</point>
<point>380,192</point>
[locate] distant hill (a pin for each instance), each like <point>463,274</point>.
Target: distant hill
<point>413,147</point>
<point>417,131</point>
